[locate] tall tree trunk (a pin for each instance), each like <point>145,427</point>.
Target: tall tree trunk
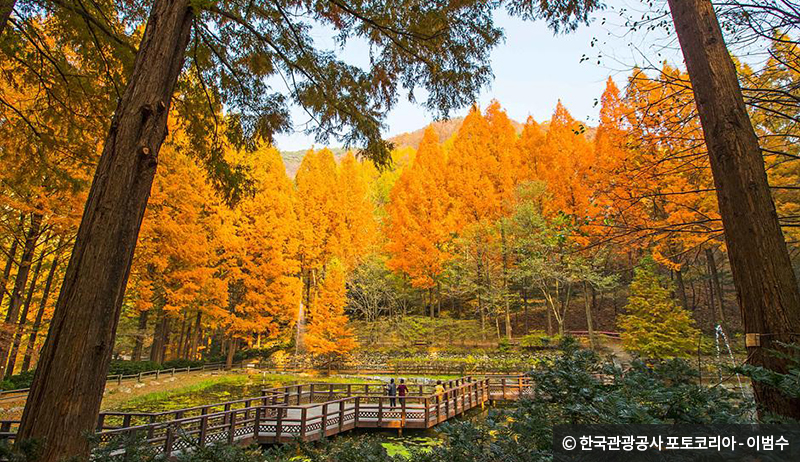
<point>762,272</point>
<point>158,336</point>
<point>37,323</point>
<point>549,320</point>
<point>717,284</point>
<point>12,254</point>
<point>181,333</point>
<point>166,333</point>
<point>6,7</point>
<point>19,287</point>
<point>196,336</point>
<point>141,333</point>
<point>23,318</point>
<point>64,400</point>
<point>431,306</point>
<point>681,288</point>
<point>507,303</point>
<point>231,351</point>
<point>587,301</point>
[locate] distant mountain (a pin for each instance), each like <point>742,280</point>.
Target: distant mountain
<point>444,128</point>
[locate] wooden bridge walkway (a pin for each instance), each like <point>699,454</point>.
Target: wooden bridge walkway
<point>300,412</point>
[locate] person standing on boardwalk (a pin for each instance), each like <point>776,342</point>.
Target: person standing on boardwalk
<point>402,391</point>
<point>392,392</point>
<point>439,390</point>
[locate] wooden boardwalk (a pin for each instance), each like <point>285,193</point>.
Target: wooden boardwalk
<point>300,412</point>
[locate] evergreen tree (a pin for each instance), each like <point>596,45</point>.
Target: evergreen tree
<point>655,326</point>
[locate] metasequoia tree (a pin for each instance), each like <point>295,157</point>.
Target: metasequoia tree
<point>419,226</point>
<point>232,48</point>
<point>765,282</point>
<point>329,336</point>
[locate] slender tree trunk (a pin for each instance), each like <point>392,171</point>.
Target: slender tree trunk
<point>231,351</point>
<point>23,318</point>
<point>64,400</point>
<point>589,324</point>
<point>507,303</point>
<point>166,333</point>
<point>525,307</point>
<point>181,335</point>
<point>37,323</point>
<point>762,271</point>
<point>431,306</point>
<point>12,254</point>
<point>681,288</point>
<point>196,336</point>
<point>158,335</point>
<point>6,7</point>
<point>549,320</point>
<point>19,287</point>
<point>712,268</point>
<point>141,333</point>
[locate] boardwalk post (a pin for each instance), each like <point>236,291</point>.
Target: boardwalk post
<point>151,427</point>
<point>427,413</point>
<point>168,442</point>
<point>126,421</point>
<point>402,414</point>
<point>232,427</point>
<point>447,404</point>
<point>349,390</point>
<point>358,408</point>
<point>257,423</point>
<point>247,409</point>
<point>119,379</point>
<point>278,424</point>
<point>438,408</point>
<point>330,395</point>
<point>203,427</point>
<point>157,373</point>
<point>324,418</point>
<point>380,411</point>
<point>227,417</point>
<point>139,377</point>
<point>310,394</point>
<point>303,423</point>
<point>100,419</point>
<point>341,415</point>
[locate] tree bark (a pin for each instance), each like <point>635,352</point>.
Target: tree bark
<point>37,323</point>
<point>19,287</point>
<point>589,322</point>
<point>6,7</point>
<point>64,400</point>
<point>141,332</point>
<point>12,253</point>
<point>230,353</point>
<point>765,282</point>
<point>712,269</point>
<point>23,318</point>
<point>681,288</point>
<point>196,336</point>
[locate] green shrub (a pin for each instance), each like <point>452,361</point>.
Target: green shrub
<point>539,339</point>
<point>655,326</point>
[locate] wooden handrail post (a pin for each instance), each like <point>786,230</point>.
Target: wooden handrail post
<point>447,404</point>
<point>380,411</point>
<point>126,421</point>
<point>100,419</point>
<point>227,417</point>
<point>358,408</point>
<point>330,395</point>
<point>151,428</point>
<point>427,413</point>
<point>303,422</point>
<point>257,423</point>
<point>168,442</point>
<point>173,372</point>
<point>201,440</point>
<point>278,424</point>
<point>324,418</point>
<point>311,393</point>
<point>119,379</point>
<point>139,377</point>
<point>402,411</point>
<point>341,415</point>
<point>232,427</point>
<point>157,373</point>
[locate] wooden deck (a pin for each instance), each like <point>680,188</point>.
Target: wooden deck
<point>300,412</point>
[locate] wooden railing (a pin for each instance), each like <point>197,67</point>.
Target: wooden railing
<point>306,412</point>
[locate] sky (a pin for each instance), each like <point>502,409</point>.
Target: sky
<point>533,69</point>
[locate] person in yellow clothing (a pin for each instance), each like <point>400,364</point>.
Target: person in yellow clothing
<point>439,388</point>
